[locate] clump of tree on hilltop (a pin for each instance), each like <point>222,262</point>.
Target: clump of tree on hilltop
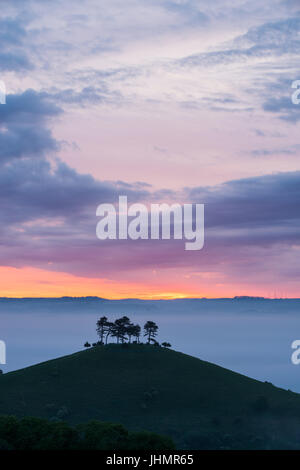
<point>125,332</point>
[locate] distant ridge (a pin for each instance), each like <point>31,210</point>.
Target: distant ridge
<point>65,298</point>
<point>247,297</point>
<point>129,299</point>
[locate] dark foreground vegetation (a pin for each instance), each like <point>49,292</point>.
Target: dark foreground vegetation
<point>41,434</point>
<point>146,387</point>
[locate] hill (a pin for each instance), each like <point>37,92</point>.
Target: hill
<point>198,404</point>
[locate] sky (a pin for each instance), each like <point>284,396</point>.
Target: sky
<point>183,101</point>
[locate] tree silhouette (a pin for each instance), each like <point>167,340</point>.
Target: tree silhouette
<point>102,325</point>
<point>130,330</point>
<point>166,345</point>
<point>150,329</point>
<point>87,344</point>
<point>137,332</point>
<point>120,328</point>
<point>133,330</point>
<point>109,329</point>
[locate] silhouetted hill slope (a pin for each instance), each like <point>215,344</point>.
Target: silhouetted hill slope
<point>198,404</point>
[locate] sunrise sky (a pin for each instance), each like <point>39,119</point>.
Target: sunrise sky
<point>183,101</point>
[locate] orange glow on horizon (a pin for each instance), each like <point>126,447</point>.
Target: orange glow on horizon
<point>35,283</point>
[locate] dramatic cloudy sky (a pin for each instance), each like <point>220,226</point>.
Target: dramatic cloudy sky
<point>159,100</point>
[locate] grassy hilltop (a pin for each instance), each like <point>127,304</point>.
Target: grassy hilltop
<point>144,387</point>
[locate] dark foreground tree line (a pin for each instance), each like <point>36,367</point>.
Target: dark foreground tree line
<point>40,434</point>
<point>124,331</point>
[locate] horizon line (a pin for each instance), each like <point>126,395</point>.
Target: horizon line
<point>94,297</point>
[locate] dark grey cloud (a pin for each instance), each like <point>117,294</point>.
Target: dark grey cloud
<point>12,32</point>
<point>23,126</point>
<point>14,61</point>
<point>263,201</point>
<point>24,140</point>
<point>12,40</point>
<point>29,105</point>
<point>32,189</point>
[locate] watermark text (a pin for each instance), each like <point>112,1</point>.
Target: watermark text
<point>163,221</point>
